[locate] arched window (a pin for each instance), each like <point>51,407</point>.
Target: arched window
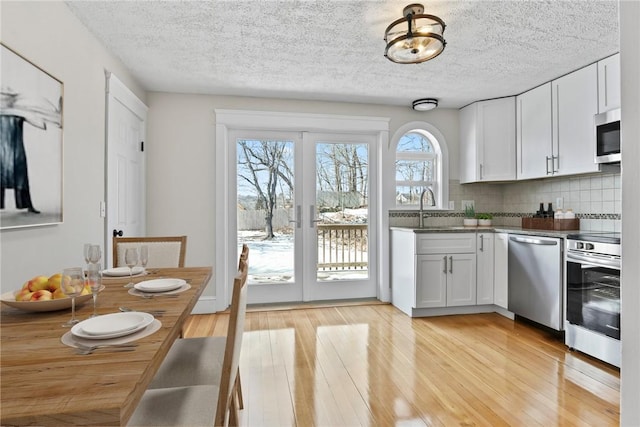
<point>421,167</point>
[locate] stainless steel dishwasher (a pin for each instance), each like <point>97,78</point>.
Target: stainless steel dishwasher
<point>535,279</point>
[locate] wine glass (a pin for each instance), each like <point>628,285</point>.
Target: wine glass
<point>95,282</point>
<point>131,259</point>
<point>72,285</point>
<point>144,255</point>
<point>87,246</point>
<point>94,254</point>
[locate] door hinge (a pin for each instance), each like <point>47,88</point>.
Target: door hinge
<point>142,146</point>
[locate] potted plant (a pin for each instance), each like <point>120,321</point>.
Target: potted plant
<point>470,216</point>
<point>484,219</point>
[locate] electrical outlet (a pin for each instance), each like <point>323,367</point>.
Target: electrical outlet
<point>466,203</point>
<point>559,202</point>
<point>452,204</point>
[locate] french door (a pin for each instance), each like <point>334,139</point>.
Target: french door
<point>303,203</point>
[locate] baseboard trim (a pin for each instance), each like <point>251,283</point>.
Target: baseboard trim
<point>205,305</point>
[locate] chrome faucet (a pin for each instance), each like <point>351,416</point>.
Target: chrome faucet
<point>433,203</point>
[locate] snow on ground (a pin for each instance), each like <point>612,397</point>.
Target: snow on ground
<point>271,261</point>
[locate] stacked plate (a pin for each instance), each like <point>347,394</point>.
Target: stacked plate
<point>161,285</point>
<point>112,325</point>
<point>122,271</point>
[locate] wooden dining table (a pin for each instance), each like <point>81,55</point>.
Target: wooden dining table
<point>45,382</point>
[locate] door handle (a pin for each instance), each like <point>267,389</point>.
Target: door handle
<point>451,264</point>
<point>298,218</point>
<point>117,233</point>
<point>312,216</point>
<point>444,258</point>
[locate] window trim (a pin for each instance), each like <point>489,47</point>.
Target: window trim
<point>442,170</point>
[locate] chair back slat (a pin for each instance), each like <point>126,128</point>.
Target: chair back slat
<point>231,361</point>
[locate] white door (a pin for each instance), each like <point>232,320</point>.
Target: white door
<point>126,124</point>
<point>339,230</point>
<point>308,228</point>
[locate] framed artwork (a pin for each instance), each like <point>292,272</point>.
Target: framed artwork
<point>30,143</point>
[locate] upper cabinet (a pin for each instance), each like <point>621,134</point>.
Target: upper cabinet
<point>609,83</point>
<point>487,141</point>
<point>574,100</point>
<point>555,134</point>
<point>533,132</point>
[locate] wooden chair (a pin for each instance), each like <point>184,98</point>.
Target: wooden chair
<point>194,405</point>
<point>167,251</point>
<point>197,361</point>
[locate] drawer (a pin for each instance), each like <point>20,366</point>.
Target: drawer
<point>445,243</point>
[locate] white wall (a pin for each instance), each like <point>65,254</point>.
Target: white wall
<point>630,137</point>
<point>50,36</point>
<point>181,157</point>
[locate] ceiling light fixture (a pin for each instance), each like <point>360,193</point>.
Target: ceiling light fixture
<point>425,104</point>
<point>414,38</point>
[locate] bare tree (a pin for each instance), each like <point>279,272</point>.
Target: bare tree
<point>265,166</point>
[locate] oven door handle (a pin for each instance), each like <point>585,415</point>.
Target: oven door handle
<point>596,261</point>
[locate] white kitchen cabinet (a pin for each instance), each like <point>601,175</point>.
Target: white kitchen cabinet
<point>501,272</point>
<point>609,83</point>
<point>445,269</point>
<point>554,126</point>
<point>445,280</point>
<point>533,132</point>
<point>488,141</point>
<point>485,275</point>
<point>432,270</point>
<point>574,103</point>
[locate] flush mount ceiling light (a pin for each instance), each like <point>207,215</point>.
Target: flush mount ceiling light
<point>414,38</point>
<point>425,104</point>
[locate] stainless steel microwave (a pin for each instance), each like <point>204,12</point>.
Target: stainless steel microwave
<point>607,127</point>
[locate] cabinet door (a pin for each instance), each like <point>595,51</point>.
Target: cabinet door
<point>500,271</point>
<point>533,132</point>
<point>431,281</point>
<point>574,103</point>
<point>485,258</point>
<point>461,280</point>
<point>468,141</point>
<point>609,83</point>
<point>496,143</point>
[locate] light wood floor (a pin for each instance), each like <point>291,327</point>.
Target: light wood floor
<point>371,365</point>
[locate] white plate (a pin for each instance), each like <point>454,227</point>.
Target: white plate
<point>112,325</point>
<point>9,298</point>
<point>159,285</point>
<point>122,271</point>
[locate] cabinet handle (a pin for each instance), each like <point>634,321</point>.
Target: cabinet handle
<point>444,258</point>
<point>549,158</point>
<point>482,243</point>
<point>451,264</point>
<point>480,171</point>
<point>555,160</point>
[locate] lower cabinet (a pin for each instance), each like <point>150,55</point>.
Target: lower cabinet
<point>445,280</point>
<point>500,268</point>
<point>485,255</point>
<point>441,270</point>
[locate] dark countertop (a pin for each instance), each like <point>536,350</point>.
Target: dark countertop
<point>491,229</point>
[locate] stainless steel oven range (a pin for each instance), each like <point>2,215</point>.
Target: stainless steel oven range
<point>593,295</point>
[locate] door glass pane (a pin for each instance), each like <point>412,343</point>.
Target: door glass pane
<point>342,205</point>
<point>264,206</point>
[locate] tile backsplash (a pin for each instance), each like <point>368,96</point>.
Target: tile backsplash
<point>596,200</point>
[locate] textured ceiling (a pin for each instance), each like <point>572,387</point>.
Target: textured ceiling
<point>333,49</point>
